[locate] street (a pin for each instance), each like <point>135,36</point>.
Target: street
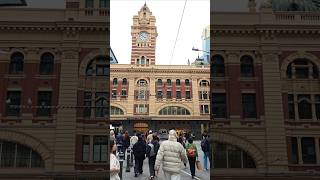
<point>185,173</point>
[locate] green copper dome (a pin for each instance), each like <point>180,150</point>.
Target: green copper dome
<point>295,5</point>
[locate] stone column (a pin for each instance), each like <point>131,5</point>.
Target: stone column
<point>64,157</point>
<point>130,106</point>
<point>275,137</point>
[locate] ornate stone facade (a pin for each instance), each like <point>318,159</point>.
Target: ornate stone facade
<point>273,56</point>
<point>158,97</point>
<point>42,55</point>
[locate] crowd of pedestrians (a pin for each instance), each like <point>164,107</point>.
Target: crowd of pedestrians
<point>172,155</point>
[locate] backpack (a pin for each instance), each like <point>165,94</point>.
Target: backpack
<point>191,151</point>
<point>204,145</point>
<point>152,151</point>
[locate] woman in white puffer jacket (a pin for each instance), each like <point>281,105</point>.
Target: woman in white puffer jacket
<point>171,155</point>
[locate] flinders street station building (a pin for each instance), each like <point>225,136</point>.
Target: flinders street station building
<point>146,96</point>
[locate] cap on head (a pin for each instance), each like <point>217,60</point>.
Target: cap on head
<point>172,133</point>
<point>150,131</point>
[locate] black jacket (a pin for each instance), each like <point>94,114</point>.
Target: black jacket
<point>139,149</point>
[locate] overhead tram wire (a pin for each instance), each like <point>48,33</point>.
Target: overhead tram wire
<point>175,42</point>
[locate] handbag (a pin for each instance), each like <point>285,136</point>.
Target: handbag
<point>198,165</point>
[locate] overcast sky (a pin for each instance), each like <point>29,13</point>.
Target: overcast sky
<point>168,15</point>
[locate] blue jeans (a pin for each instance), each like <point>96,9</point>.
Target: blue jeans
<point>205,160</point>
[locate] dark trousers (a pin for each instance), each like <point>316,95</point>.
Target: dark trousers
<point>152,162</point>
<point>192,164</point>
<point>138,165</point>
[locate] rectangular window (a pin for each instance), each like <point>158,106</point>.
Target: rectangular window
<point>291,106</point>
<point>203,95</point>
<point>178,94</point>
<point>101,109</point>
<point>44,103</point>
<point>13,103</point>
<point>141,95</point>
<point>204,109</point>
<point>188,95</point>
<point>114,94</point>
<point>85,148</point>
<point>294,157</point>
<point>103,3</point>
<point>123,93</point>
<point>100,149</point>
<point>89,4</point>
<point>87,104</point>
<point>317,105</point>
<point>102,70</point>
<point>219,107</point>
<point>304,106</point>
<point>249,106</point>
<point>141,108</point>
<point>159,94</point>
<point>308,150</point>
<point>168,94</point>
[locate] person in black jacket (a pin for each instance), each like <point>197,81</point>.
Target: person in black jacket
<point>152,150</point>
<point>205,146</point>
<point>139,152</point>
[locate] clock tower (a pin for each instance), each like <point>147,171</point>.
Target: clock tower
<point>144,34</point>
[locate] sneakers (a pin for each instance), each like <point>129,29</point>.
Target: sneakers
<point>151,178</point>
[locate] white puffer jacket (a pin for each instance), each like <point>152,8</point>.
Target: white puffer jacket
<point>171,155</point>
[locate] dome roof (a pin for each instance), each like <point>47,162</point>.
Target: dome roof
<point>295,5</point>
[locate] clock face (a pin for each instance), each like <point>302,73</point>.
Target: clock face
<point>143,36</point>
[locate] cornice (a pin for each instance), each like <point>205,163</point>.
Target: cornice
<point>55,26</point>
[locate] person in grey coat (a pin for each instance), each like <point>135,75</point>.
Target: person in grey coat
<point>171,156</point>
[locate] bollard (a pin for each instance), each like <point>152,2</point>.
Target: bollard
<point>128,161</point>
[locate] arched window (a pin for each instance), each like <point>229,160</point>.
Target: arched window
<point>302,69</point>
<point>116,111</point>
<point>143,60</point>
<point>217,66</point>
<point>124,81</point>
<point>99,65</point>
<point>178,82</point>
<point>159,82</point>
<point>46,64</point>
<point>142,82</point>
<point>246,66</point>
<point>14,155</point>
<point>174,110</point>
<point>115,81</point>
<point>16,63</point>
<point>204,83</point>
<point>229,156</point>
<point>187,82</point>
<point>168,82</point>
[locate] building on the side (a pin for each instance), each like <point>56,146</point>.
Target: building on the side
<point>206,44</point>
<point>147,96</point>
<point>54,83</point>
<point>8,3</point>
<point>265,91</point>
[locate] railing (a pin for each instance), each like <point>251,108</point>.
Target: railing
<point>96,12</point>
<point>298,18</point>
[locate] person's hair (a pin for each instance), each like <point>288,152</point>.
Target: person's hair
<point>111,144</point>
<point>190,140</point>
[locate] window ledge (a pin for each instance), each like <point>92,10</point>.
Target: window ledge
<point>49,76</point>
<point>15,76</point>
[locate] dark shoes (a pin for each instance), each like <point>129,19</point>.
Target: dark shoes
<point>192,177</point>
<point>135,174</point>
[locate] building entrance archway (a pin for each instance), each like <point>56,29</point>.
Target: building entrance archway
<point>141,127</point>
